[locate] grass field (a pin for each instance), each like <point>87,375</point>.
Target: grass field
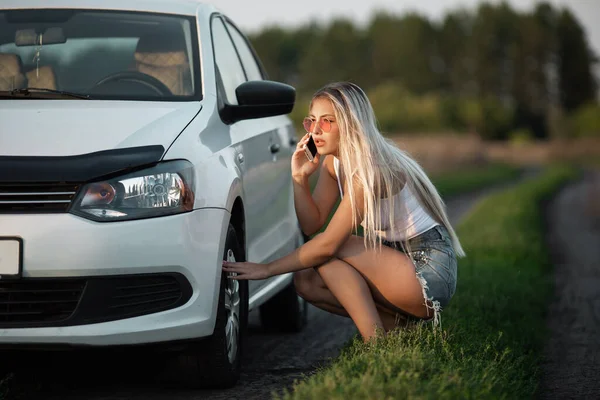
<point>493,330</point>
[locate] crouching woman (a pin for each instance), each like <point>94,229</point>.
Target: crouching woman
<point>405,264</point>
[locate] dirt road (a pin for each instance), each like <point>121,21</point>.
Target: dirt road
<point>271,363</point>
<point>572,355</point>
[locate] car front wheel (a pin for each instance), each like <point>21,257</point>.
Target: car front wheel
<point>216,360</point>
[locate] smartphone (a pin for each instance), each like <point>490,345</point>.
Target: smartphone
<point>310,149</point>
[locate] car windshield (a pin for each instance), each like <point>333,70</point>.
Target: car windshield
<point>101,54</point>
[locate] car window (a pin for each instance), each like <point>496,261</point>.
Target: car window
<point>248,60</point>
<point>106,54</point>
<point>227,60</point>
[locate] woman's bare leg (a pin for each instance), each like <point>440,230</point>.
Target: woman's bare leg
<point>360,278</point>
<point>353,293</point>
<point>313,289</point>
<point>390,275</point>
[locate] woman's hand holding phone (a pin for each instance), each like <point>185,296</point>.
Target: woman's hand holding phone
<point>301,167</point>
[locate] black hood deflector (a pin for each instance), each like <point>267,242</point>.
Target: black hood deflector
<point>78,168</point>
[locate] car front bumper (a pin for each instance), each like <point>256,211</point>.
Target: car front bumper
<point>66,254</point>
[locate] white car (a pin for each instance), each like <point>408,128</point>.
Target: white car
<point>141,143</point>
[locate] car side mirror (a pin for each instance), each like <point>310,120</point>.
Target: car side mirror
<point>259,99</point>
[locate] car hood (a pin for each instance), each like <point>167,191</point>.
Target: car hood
<point>73,127</point>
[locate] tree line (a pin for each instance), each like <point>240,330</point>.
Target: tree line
<point>491,70</point>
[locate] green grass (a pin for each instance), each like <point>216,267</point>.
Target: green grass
<point>492,331</point>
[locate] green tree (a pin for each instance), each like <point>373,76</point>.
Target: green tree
<point>337,54</point>
<point>493,45</point>
<point>575,58</point>
<point>489,69</point>
<point>458,63</point>
<point>281,50</point>
<point>405,50</point>
<point>535,69</point>
<point>382,35</point>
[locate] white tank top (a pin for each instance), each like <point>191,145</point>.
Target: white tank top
<point>411,219</point>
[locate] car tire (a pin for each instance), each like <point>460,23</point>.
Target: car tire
<point>215,362</point>
<point>285,312</point>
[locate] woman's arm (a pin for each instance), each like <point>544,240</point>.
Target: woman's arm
<point>313,253</point>
<point>322,247</point>
<point>312,210</point>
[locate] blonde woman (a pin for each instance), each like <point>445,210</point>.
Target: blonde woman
<point>404,266</point>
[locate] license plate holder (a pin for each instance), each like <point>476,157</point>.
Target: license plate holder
<point>11,258</point>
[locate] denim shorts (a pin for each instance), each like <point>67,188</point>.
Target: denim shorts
<point>435,265</point>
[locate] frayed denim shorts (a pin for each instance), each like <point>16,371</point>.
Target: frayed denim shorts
<point>435,264</point>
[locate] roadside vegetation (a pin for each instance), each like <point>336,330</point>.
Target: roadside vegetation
<point>493,330</point>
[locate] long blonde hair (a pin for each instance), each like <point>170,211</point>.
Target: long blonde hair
<point>377,165</point>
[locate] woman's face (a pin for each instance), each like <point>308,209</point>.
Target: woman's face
<point>326,142</point>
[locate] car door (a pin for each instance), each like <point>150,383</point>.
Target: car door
<point>257,146</point>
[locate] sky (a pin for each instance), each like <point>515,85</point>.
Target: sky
<point>252,15</point>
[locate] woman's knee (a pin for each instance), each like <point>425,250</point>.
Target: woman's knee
<point>303,281</point>
<point>330,268</point>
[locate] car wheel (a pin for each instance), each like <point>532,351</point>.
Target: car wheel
<point>285,312</point>
<point>216,360</point>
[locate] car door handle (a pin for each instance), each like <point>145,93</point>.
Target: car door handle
<point>274,148</point>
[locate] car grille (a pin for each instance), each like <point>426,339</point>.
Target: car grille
<point>65,302</point>
<point>143,296</point>
<point>36,197</point>
<point>38,301</point>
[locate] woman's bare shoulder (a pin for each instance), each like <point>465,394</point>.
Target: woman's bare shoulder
<point>328,166</point>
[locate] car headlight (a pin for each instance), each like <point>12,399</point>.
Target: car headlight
<point>164,189</point>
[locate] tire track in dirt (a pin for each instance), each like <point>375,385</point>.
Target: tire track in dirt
<point>271,363</point>
<point>571,365</point>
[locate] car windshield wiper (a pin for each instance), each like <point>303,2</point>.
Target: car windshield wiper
<point>30,91</point>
